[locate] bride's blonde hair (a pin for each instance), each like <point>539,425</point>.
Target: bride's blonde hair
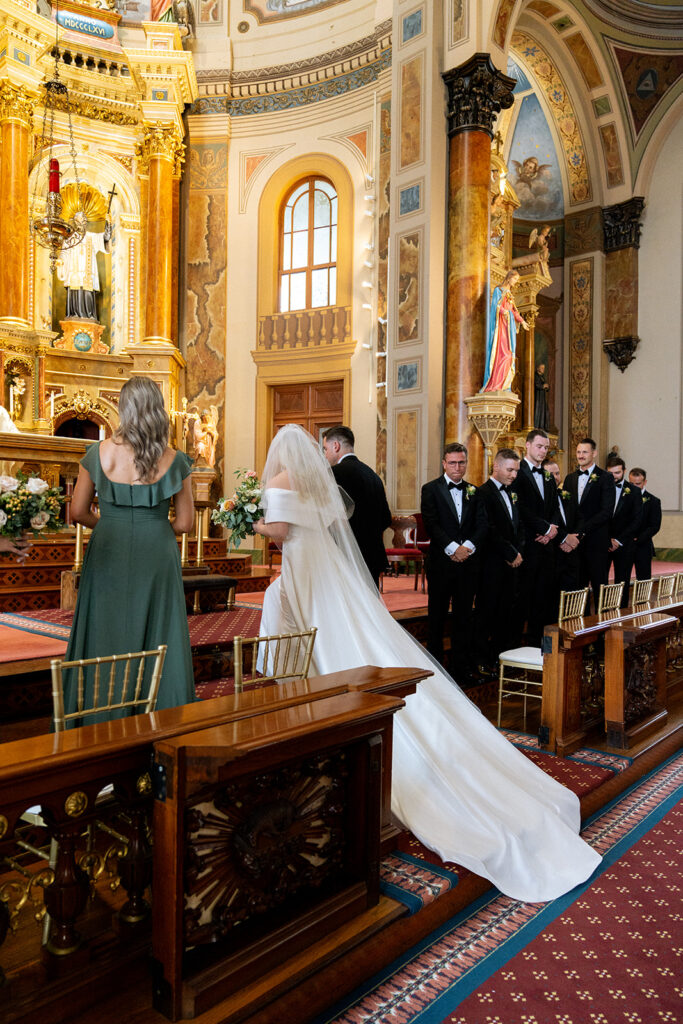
<point>143,424</point>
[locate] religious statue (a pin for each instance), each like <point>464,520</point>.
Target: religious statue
<point>205,435</point>
<point>499,366</point>
<point>541,388</point>
<point>77,269</point>
<point>497,226</point>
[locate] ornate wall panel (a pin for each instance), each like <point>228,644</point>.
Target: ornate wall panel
<point>205,279</point>
<point>410,145</point>
<point>409,287</point>
<point>581,298</point>
<point>382,249</point>
<point>407,447</point>
<point>614,170</point>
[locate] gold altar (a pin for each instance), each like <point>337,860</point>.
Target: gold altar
<point>60,370</point>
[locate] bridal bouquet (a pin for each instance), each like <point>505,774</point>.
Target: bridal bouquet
<point>241,511</point>
<point>28,503</point>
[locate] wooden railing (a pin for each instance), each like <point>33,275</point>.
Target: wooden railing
<point>94,789</point>
<point>305,328</point>
<point>614,672</point>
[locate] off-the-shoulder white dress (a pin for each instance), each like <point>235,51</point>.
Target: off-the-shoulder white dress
<point>458,784</point>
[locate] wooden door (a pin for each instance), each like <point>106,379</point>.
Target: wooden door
<point>314,406</point>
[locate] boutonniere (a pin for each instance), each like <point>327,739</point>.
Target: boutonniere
<point>627,490</point>
<point>546,474</point>
<point>592,478</point>
<point>564,495</point>
<point>513,497</point>
<point>469,491</point>
<point>646,498</point>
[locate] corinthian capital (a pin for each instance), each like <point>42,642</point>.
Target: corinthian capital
<point>477,91</point>
<point>16,104</point>
<point>162,141</point>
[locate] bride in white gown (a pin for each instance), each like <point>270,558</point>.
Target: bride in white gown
<point>457,783</point>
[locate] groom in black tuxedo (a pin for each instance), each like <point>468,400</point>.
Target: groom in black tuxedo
<point>628,509</point>
<point>495,617</point>
<point>593,490</point>
<point>371,513</point>
<point>456,525</point>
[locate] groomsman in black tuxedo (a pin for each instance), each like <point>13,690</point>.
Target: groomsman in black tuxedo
<point>537,497</point>
<point>495,620</point>
<point>567,540</point>
<point>650,524</point>
<point>371,513</point>
<point>593,489</point>
<point>456,524</point>
<point>628,508</point>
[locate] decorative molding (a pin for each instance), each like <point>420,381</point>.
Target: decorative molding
<point>621,224</point>
<point>477,92</point>
<point>163,141</point>
<point>299,73</point>
<point>259,101</point>
<point>621,351</point>
<point>16,104</point>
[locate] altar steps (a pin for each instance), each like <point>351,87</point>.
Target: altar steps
<point>36,583</point>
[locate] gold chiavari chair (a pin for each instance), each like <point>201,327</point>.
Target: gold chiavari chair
<point>678,585</point>
<point>666,586</point>
<point>131,684</point>
<point>281,656</point>
<point>609,599</point>
<point>642,592</point>
<point>572,604</point>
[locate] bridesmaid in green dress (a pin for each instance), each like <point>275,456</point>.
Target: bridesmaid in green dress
<point>131,592</point>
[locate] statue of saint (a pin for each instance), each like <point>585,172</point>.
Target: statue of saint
<point>205,434</point>
<point>499,366</point>
<point>77,269</point>
<point>541,388</point>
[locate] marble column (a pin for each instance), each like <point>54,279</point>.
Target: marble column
<point>621,229</point>
<point>160,154</point>
<point>477,91</point>
<point>16,106</point>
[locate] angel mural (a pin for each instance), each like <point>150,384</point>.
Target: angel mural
<point>537,188</point>
<point>205,437</point>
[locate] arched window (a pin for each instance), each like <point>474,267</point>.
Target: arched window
<point>308,246</point>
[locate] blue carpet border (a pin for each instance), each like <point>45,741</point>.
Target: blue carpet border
<point>437,1010</point>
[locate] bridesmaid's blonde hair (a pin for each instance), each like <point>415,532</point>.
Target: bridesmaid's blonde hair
<point>143,423</point>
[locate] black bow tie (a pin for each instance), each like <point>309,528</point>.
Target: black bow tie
<point>620,485</point>
<point>452,486</point>
<point>583,472</point>
<point>504,488</point>
<point>536,469</point>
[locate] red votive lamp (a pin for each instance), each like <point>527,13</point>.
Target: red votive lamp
<point>54,175</point>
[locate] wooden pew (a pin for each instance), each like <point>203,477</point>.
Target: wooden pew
<point>64,774</point>
<point>582,653</point>
<point>267,839</point>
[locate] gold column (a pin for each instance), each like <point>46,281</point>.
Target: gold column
<point>160,153</point>
<point>476,92</point>
<point>16,107</point>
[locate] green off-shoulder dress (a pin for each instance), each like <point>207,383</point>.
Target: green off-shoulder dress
<point>131,594</point>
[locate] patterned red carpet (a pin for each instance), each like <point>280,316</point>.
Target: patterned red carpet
<point>205,630</point>
<point>606,953</point>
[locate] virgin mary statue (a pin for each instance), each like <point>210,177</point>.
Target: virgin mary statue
<point>499,368</point>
